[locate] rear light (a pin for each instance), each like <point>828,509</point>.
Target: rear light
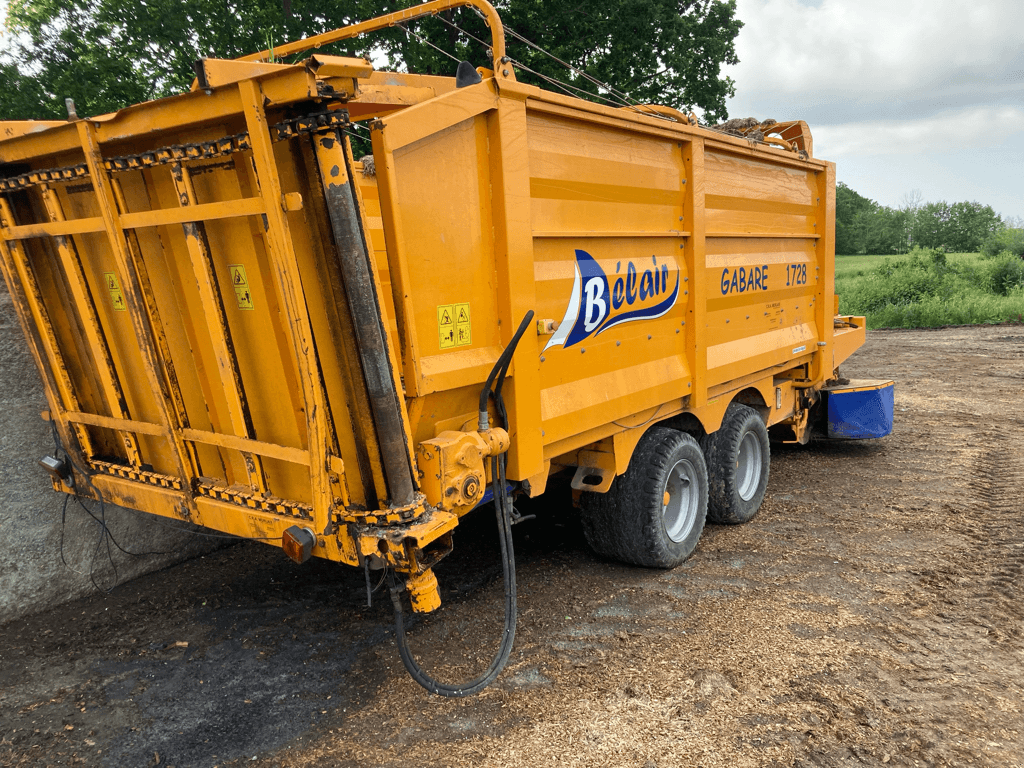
<point>59,469</point>
<point>298,543</point>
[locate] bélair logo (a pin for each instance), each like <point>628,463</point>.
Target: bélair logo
<point>597,305</point>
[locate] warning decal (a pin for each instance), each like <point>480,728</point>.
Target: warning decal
<point>463,336</point>
<point>241,285</point>
<point>114,288</point>
<point>453,325</point>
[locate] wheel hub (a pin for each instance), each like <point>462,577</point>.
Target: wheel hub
<point>748,466</point>
<point>681,500</point>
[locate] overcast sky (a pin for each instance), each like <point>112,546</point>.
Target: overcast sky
<point>900,94</point>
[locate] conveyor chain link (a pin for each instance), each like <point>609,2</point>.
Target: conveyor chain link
<point>138,475</point>
<point>179,153</point>
<point>235,495</point>
<point>246,498</point>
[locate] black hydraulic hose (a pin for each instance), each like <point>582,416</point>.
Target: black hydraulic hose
<point>503,513</point>
<point>501,366</point>
<point>508,565</point>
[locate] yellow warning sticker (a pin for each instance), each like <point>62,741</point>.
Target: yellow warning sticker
<point>453,325</point>
<point>114,288</point>
<point>446,325</point>
<point>463,329</point>
<point>241,285</point>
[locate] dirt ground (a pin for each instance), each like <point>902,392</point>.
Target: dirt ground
<point>871,614</point>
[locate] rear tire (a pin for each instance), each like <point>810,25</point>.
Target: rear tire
<point>653,514</point>
<point>738,458</point>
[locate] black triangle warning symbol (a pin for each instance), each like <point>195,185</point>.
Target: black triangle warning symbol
<point>239,280</point>
<point>111,283</point>
<point>445,318</point>
<point>462,315</point>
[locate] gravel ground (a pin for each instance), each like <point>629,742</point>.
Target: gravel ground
<point>870,614</point>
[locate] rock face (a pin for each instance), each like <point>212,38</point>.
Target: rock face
<point>32,574</point>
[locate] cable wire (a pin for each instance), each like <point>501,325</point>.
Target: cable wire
<point>106,536</point>
<point>409,32</point>
<point>503,514</point>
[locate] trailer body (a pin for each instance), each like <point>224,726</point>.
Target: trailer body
<point>239,324</point>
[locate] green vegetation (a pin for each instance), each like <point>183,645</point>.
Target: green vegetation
<point>1007,240</point>
<point>864,226</point>
<point>929,288</point>
<point>108,54</point>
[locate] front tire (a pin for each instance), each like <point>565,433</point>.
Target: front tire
<point>738,458</point>
<point>653,515</point>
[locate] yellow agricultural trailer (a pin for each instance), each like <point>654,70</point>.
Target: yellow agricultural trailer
<point>241,325</point>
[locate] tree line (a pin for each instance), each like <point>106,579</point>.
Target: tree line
<point>864,226</point>
<point>108,54</point>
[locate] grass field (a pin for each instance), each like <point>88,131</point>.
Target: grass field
<point>927,289</point>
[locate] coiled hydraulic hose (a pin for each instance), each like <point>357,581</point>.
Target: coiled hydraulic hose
<point>503,513</point>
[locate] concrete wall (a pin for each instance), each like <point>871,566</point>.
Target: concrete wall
<point>32,576</point>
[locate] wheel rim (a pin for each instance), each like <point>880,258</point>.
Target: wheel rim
<point>748,466</point>
<point>683,491</point>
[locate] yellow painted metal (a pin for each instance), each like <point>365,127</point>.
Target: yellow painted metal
<point>491,18</point>
<point>453,467</point>
<point>182,280</point>
<point>423,592</point>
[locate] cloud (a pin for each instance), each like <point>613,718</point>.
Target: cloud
<point>946,132</point>
<point>909,58</point>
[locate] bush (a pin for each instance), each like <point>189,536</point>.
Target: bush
<point>929,288</point>
<point>1007,273</point>
<point>1006,240</point>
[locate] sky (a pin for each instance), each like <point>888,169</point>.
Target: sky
<point>902,95</point>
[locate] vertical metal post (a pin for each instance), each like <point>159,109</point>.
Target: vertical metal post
<point>286,268</point>
<point>217,322</point>
<point>825,261</point>
<point>86,305</point>
<point>353,253</point>
<point>28,301</point>
<point>514,262</point>
<point>176,402</point>
<point>695,257</point>
<point>141,305</point>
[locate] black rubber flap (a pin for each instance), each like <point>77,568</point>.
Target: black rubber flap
<point>466,74</point>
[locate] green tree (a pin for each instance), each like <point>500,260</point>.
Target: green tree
<point>853,211</point>
<point>960,227</point>
<point>1010,240</point>
<point>886,231</point>
<point>107,54</point>
<point>970,225</point>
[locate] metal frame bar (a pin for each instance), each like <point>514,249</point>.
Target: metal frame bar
<point>198,246</point>
<point>282,257</point>
<point>695,256</point>
<point>85,303</point>
<point>502,68</point>
<point>141,307</point>
<point>28,301</point>
<point>163,217</point>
